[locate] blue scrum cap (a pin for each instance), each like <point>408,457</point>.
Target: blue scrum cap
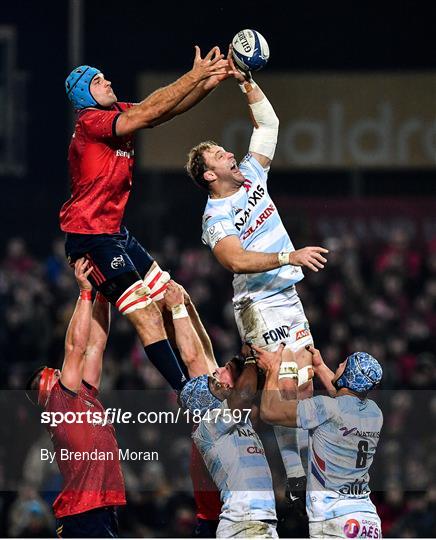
<point>196,395</point>
<point>362,373</point>
<point>77,86</point>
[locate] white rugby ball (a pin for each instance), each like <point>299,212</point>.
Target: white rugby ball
<point>250,50</point>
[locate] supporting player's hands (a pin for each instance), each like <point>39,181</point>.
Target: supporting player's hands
<point>213,65</point>
<point>317,360</point>
<point>186,297</point>
<point>173,295</point>
<point>82,269</point>
<point>268,360</point>
<point>309,256</point>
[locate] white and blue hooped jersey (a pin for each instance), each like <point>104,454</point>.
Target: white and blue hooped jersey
<point>235,458</point>
<point>343,436</point>
<point>251,215</point>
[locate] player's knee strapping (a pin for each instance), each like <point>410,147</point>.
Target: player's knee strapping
<point>156,280</point>
<point>137,296</point>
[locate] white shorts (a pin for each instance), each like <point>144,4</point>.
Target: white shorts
<point>357,525</point>
<point>245,529</point>
<point>274,320</point>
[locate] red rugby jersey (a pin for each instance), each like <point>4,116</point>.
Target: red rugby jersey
<point>206,494</point>
<point>87,484</point>
<point>101,166</point>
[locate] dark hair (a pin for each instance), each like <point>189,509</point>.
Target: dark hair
<point>196,164</point>
<point>238,361</point>
<point>32,385</point>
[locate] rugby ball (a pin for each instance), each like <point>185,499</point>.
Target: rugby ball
<point>250,50</point>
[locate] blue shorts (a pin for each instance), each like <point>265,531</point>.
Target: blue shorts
<point>118,260</point>
<point>97,523</point>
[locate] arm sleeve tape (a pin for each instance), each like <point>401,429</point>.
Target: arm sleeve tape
<point>264,138</point>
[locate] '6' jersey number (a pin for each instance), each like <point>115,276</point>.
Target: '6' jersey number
<point>362,454</point>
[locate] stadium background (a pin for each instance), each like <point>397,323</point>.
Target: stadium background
<point>378,292</point>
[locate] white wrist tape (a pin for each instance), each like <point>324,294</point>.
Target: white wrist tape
<point>250,360</point>
<point>179,311</point>
<point>288,370</point>
<point>304,375</point>
<point>264,138</point>
<point>283,258</point>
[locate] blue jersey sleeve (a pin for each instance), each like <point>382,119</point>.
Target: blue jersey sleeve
<point>217,227</point>
<point>253,170</point>
<point>313,412</point>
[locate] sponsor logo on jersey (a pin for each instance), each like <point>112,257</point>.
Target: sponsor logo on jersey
<point>236,210</point>
<point>216,233</point>
<point>245,432</point>
<point>118,262</point>
<point>351,528</point>
<point>123,153</point>
<point>269,210</point>
<point>347,431</point>
<point>253,200</point>
<point>304,332</point>
<point>355,431</point>
<point>101,422</point>
<point>365,529</point>
<point>358,487</point>
<point>369,529</point>
<point>255,450</point>
<point>282,332</point>
<point>247,185</point>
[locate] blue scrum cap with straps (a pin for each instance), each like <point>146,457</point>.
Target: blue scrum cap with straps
<point>196,395</point>
<point>77,86</point>
<point>362,373</point>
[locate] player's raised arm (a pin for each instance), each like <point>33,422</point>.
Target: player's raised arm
<point>78,332</point>
<point>265,121</point>
<point>100,324</point>
<point>198,325</point>
<point>234,257</point>
<point>196,95</point>
<point>187,339</point>
<point>322,371</point>
<point>274,410</point>
<point>159,106</point>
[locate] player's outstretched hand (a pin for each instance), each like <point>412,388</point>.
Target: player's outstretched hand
<point>240,76</point>
<point>309,256</point>
<point>212,65</point>
<point>317,360</point>
<point>81,273</point>
<point>268,360</point>
<point>173,295</point>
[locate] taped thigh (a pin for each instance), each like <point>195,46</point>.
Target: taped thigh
<point>156,280</point>
<point>137,296</point>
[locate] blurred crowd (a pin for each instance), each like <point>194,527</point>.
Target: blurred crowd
<point>377,295</point>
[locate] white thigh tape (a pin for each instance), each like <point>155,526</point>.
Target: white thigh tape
<point>304,375</point>
<point>288,370</point>
<point>156,281</point>
<point>133,298</point>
